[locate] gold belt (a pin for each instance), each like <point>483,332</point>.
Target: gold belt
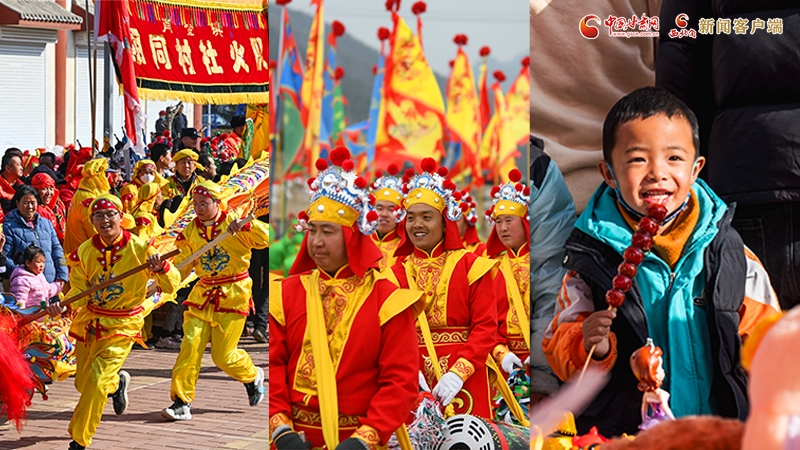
<point>304,415</point>
<point>446,335</point>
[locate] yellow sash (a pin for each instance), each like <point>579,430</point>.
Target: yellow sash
<point>422,319</point>
<point>516,301</point>
<point>505,391</point>
<point>326,377</point>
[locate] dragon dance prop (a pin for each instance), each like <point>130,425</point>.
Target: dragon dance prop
<point>31,355</point>
<point>246,191</point>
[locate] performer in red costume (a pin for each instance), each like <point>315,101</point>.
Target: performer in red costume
<point>461,306</point>
<point>342,342</point>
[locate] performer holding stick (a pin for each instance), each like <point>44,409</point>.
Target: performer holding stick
<point>110,320</point>
<point>219,303</point>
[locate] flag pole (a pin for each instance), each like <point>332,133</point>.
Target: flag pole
<point>89,61</point>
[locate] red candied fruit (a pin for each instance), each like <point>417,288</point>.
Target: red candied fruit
<point>615,298</point>
<point>627,269</point>
<point>648,225</point>
<point>633,255</point>
<point>642,241</point>
<point>657,212</point>
<point>622,282</point>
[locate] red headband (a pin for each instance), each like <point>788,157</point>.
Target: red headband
<point>203,191</point>
<point>103,204</point>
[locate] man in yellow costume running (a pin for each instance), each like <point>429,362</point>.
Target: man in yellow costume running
<point>109,321</point>
<point>219,303</point>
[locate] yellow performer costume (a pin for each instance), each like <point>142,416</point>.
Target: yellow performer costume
<point>173,186</point>
<point>220,302</point>
<point>93,184</point>
<point>146,224</point>
<point>130,192</point>
<point>109,321</point>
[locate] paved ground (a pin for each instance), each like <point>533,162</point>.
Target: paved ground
<point>221,419</point>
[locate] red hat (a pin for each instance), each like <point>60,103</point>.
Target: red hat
<point>162,113</point>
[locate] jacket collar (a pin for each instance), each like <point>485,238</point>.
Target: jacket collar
<point>603,221</point>
<point>435,252</point>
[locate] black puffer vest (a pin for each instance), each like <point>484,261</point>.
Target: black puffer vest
<point>617,409</point>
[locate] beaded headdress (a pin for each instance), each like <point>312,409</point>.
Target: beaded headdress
<point>339,195</point>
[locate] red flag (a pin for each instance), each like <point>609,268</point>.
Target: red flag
<point>112,24</point>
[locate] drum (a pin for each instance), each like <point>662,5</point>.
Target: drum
<point>476,433</point>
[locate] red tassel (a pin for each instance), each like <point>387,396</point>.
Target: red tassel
<point>338,28</point>
<point>16,380</point>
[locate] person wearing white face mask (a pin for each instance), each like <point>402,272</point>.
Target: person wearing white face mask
<point>145,172</point>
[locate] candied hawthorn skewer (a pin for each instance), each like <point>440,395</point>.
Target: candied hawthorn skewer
<point>641,243</point>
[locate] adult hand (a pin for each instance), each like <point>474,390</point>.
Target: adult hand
<point>235,226</point>
<point>447,388</point>
<point>509,362</point>
<point>155,264</point>
<point>595,332</point>
<point>2,240</point>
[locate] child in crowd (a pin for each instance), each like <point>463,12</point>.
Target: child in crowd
<point>28,284</point>
<point>697,294</point>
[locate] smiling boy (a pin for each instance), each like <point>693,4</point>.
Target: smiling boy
<point>696,294</point>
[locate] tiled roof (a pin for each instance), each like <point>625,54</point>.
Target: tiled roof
<point>41,11</point>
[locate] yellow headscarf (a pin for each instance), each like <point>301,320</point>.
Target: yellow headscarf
<point>147,198</point>
<point>211,190</point>
<point>94,177</point>
<point>140,165</point>
<point>188,153</point>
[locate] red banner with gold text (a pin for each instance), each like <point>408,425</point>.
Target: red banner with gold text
<point>201,51</point>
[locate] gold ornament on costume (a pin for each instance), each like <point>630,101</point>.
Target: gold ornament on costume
<point>340,196</point>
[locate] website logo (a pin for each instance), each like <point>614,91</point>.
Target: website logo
<point>588,31</point>
<point>645,26</point>
<point>682,21</point>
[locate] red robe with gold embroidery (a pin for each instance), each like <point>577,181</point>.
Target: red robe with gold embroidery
<point>461,308</point>
<point>370,327</point>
